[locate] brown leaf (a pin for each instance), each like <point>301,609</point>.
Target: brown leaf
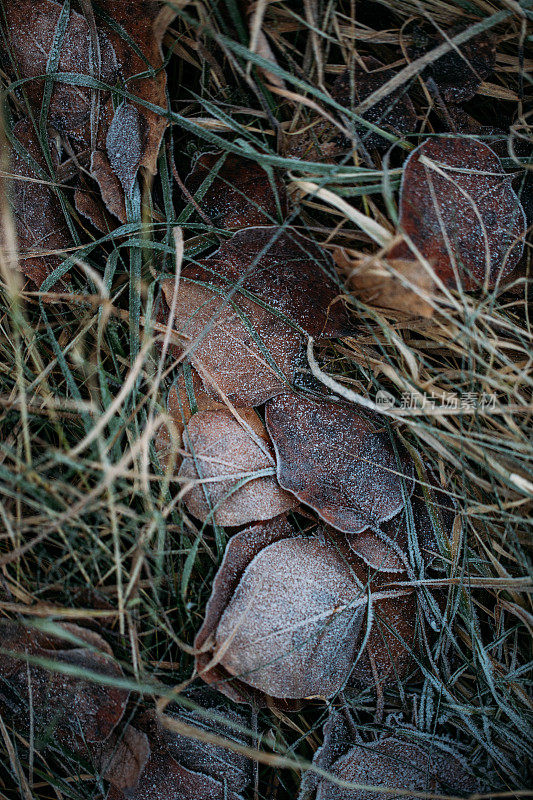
<point>185,768</point>
<point>336,460</point>
<point>241,195</point>
<point>77,710</point>
<point>244,351</point>
<point>31,29</point>
<point>286,615</point>
<point>289,273</point>
<point>122,757</point>
<point>400,762</point>
<point>109,184</point>
<point>395,113</point>
<point>461,213</point>
<point>40,222</point>
<point>224,452</point>
<point>458,73</point>
<point>393,284</point>
<point>181,407</point>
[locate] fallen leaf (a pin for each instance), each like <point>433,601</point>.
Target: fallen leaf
<point>338,461</point>
<point>457,74</point>
<point>77,711</point>
<point>460,212</point>
<point>186,768</point>
<point>402,761</point>
<point>125,144</point>
<point>286,615</point>
<point>182,402</point>
<point>245,352</point>
<point>241,194</point>
<point>288,273</point>
<point>122,758</point>
<point>40,222</point>
<point>31,29</point>
<point>392,284</point>
<point>395,113</point>
<point>225,452</point>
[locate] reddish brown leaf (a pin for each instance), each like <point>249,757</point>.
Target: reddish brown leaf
<point>109,184</point>
<point>457,74</point>
<point>400,762</point>
<point>336,460</point>
<point>180,407</point>
<point>224,452</point>
<point>241,194</point>
<point>31,29</point>
<point>241,350</point>
<point>290,274</point>
<point>459,210</point>
<point>78,711</point>
<point>186,768</point>
<point>286,615</point>
<point>395,113</point>
<point>40,222</point>
<point>122,757</point>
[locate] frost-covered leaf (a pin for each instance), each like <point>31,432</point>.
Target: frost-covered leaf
<point>31,29</point>
<point>395,113</point>
<point>286,272</point>
<point>122,758</point>
<point>240,349</point>
<point>287,613</point>
<point>199,772</point>
<point>241,194</point>
<point>459,72</point>
<point>184,399</point>
<point>125,144</point>
<point>40,222</point>
<point>225,453</point>
<point>403,761</point>
<point>459,210</point>
<point>337,460</point>
<point>76,710</point>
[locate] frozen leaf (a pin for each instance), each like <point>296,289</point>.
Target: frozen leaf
<point>167,776</point>
<point>460,212</point>
<point>184,399</point>
<point>286,615</point>
<point>77,710</point>
<point>286,272</point>
<point>125,143</point>
<point>40,222</point>
<point>31,30</point>
<point>88,204</point>
<point>338,461</point>
<point>109,184</point>
<point>241,194</point>
<point>122,757</point>
<point>225,454</point>
<point>395,113</point>
<point>405,286</point>
<point>399,762</point>
<point>429,513</point>
<point>459,73</point>
<point>244,351</point>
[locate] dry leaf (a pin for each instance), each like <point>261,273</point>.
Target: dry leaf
<point>289,273</point>
<point>122,758</point>
<point>185,768</point>
<point>402,761</point>
<point>394,284</point>
<point>338,461</point>
<point>245,351</point>
<point>458,73</point>
<point>225,452</point>
<point>461,213</point>
<point>40,222</point>
<point>286,616</point>
<point>181,406</point>
<point>241,194</point>
<point>79,712</point>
